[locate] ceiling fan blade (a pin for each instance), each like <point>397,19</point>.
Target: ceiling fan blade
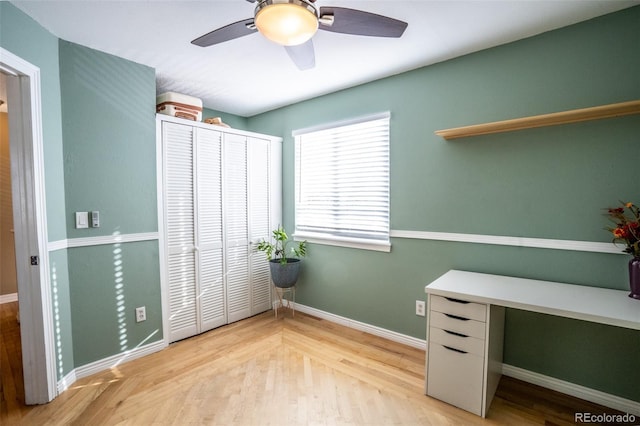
<point>226,33</point>
<point>302,55</point>
<point>358,22</point>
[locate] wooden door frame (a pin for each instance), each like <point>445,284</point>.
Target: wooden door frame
<point>30,225</point>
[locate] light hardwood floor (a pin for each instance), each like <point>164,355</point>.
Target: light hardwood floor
<point>267,371</point>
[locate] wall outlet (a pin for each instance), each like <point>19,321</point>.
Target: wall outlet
<point>420,307</point>
<point>141,314</point>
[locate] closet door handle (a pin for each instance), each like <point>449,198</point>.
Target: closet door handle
<point>457,317</point>
<point>451,299</point>
<point>460,351</point>
<point>455,334</point>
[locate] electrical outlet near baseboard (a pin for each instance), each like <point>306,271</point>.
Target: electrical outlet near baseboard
<point>141,314</point>
<point>420,307</point>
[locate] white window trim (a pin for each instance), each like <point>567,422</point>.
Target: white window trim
<point>356,243</point>
<point>337,241</point>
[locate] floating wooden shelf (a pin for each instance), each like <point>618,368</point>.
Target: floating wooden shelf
<point>564,117</point>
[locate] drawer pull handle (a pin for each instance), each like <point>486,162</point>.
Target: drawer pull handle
<point>457,317</point>
<point>455,334</point>
<point>460,351</point>
<point>451,299</point>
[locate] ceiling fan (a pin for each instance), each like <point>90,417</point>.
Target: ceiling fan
<point>292,23</point>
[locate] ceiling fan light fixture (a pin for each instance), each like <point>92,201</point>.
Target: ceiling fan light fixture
<point>286,22</point>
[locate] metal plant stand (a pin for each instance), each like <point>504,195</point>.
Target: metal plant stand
<point>281,293</point>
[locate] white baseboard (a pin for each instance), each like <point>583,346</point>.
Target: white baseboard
<point>582,392</point>
<point>108,363</point>
<point>8,298</point>
<point>578,391</point>
<point>67,381</point>
<point>115,360</point>
<point>588,394</point>
<point>361,326</point>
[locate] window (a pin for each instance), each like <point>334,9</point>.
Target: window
<point>342,183</point>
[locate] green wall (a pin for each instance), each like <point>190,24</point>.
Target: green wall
<point>107,283</point>
<point>99,146</point>
<point>25,38</point>
<point>61,308</point>
<point>108,112</point>
<point>546,183</point>
<point>543,183</point>
<point>108,109</point>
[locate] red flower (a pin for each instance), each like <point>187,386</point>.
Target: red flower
<point>619,233</point>
<point>627,227</point>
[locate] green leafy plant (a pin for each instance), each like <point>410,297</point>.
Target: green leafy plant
<point>627,229</point>
<point>278,250</point>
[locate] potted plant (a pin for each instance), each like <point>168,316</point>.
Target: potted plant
<point>627,231</point>
<point>284,265</point>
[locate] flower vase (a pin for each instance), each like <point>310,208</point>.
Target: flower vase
<point>634,278</point>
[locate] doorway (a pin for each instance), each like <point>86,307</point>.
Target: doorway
<point>8,280</point>
<point>30,227</point>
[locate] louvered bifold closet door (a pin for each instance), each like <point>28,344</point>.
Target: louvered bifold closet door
<point>259,221</point>
<point>179,225</point>
<point>211,288</point>
<point>236,233</point>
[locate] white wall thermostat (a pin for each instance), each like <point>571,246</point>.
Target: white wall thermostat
<point>95,219</point>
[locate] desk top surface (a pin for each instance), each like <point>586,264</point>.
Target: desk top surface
<point>601,305</point>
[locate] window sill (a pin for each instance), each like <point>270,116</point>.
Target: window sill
<point>356,243</point>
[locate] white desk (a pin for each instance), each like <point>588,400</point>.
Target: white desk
<point>595,304</point>
<point>605,306</point>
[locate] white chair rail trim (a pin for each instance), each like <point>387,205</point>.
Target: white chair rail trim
<point>544,243</point>
<point>101,240</point>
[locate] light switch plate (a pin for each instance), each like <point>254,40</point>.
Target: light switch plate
<point>82,220</point>
<point>95,219</point>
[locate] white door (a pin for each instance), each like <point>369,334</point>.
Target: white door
<point>180,229</point>
<point>30,224</point>
<point>217,199</point>
<point>236,227</point>
<point>259,161</point>
<point>211,282</point>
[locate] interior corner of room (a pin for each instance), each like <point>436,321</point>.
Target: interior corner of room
<point>527,203</point>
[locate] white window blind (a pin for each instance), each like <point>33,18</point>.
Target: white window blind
<point>342,183</point>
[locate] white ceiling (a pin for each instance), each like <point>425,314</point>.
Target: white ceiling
<point>250,75</point>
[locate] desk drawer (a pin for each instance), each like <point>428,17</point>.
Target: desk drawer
<point>471,310</point>
<point>456,341</point>
<point>457,324</point>
<point>455,377</point>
